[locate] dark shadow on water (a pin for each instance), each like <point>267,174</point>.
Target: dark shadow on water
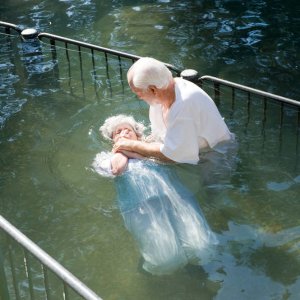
<point>276,263</point>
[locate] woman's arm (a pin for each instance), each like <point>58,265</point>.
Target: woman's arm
<point>131,154</point>
<point>119,163</point>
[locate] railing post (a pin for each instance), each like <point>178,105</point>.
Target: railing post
<point>191,75</point>
<point>31,44</point>
<point>217,93</point>
<point>31,48</point>
<point>12,267</point>
<point>4,294</point>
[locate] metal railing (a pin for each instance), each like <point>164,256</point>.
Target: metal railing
<point>66,42</point>
<point>47,263</point>
<point>266,99</point>
<point>122,58</point>
<point>268,112</point>
<point>120,55</point>
<point>251,91</point>
<point>9,26</point>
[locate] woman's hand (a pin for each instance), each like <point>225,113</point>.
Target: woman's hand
<point>119,163</point>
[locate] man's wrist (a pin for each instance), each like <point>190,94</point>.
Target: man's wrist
<point>133,145</point>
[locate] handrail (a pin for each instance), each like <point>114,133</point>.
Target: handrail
<point>250,90</point>
<point>87,45</point>
<point>99,48</point>
<point>48,261</point>
<point>11,26</point>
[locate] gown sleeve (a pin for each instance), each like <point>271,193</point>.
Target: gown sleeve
<point>102,164</point>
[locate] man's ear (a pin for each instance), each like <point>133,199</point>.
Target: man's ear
<point>153,89</point>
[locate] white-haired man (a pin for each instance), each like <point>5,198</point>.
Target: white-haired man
<point>184,119</point>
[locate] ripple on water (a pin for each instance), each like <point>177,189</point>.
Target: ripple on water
<point>9,108</point>
<point>81,204</point>
<point>41,67</point>
<point>7,81</point>
<point>253,37</point>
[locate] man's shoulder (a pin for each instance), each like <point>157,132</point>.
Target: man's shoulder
<point>189,91</point>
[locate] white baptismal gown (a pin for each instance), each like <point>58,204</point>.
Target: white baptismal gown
<point>161,214</point>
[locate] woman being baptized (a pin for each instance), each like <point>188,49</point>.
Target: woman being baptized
<point>161,214</point>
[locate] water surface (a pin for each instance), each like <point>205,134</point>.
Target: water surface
<point>49,119</point>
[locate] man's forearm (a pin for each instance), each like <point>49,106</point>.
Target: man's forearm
<point>143,148</point>
<point>149,150</point>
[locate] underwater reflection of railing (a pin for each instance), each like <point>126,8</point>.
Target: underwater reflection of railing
<point>31,252</point>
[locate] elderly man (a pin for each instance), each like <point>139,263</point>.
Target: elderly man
<point>184,119</point>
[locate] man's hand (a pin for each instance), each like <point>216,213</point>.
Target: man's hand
<point>123,145</point>
<point>141,148</point>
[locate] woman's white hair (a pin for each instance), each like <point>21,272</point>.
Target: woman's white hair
<point>149,71</point>
<point>111,123</point>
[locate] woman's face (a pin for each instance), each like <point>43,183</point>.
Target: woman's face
<point>124,131</point>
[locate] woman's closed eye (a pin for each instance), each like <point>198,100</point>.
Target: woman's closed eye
<point>124,131</point>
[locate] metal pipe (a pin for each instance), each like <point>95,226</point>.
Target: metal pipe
<point>46,282</point>
<point>251,90</point>
<point>10,25</point>
<point>28,274</point>
<point>47,260</point>
<point>81,69</point>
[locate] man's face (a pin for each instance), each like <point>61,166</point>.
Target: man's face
<point>149,95</point>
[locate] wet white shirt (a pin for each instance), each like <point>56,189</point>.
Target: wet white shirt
<point>193,123</point>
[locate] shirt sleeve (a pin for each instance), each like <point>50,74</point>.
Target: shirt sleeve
<point>214,129</point>
<point>181,144</point>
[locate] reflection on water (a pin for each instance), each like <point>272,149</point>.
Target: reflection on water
<point>246,270</point>
<point>254,43</point>
<point>234,40</point>
<point>50,112</point>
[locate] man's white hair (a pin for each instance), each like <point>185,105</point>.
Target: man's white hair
<point>149,71</point>
<point>111,123</point>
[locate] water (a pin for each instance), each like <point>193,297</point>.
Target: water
<point>49,137</point>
